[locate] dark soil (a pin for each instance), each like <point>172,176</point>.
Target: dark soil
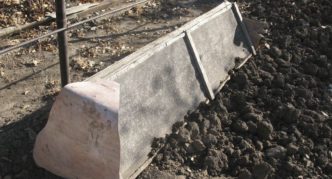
<point>273,119</point>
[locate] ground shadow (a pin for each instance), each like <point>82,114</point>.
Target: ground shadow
<point>16,144</point>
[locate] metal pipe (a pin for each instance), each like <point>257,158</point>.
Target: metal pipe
<point>61,21</point>
<point>6,50</point>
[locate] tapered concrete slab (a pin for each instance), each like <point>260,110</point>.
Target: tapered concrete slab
<point>153,88</point>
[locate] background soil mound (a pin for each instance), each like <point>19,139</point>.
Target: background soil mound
<point>273,119</point>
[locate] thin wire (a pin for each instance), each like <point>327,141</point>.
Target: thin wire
<point>6,50</point>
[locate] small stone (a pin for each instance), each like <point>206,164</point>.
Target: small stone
<point>252,127</point>
<point>283,138</point>
<point>287,41</point>
<point>205,126</point>
<point>304,150</point>
<point>267,144</point>
<point>252,117</point>
<point>211,162</point>
<point>289,166</point>
<point>326,131</point>
<point>244,160</point>
<point>226,122</point>
<point>236,153</point>
<point>189,148</point>
<point>279,81</point>
<point>215,161</point>
<point>292,149</point>
<point>214,131</point>
<point>291,114</point>
<point>242,80</point>
<point>176,126</point>
<point>304,93</point>
<point>155,173</point>
<point>228,150</point>
<point>200,117</point>
<point>264,129</point>
<point>173,142</point>
<point>237,139</point>
<point>180,177</point>
<point>194,129</point>
<point>276,52</point>
<point>310,68</point>
<point>245,174</point>
<point>238,100</point>
<point>159,157</point>
<point>182,171</point>
<point>282,63</point>
<point>198,145</point>
<point>328,168</point>
<point>222,108</point>
<point>215,121</point>
<point>297,132</point>
<point>183,135</point>
<point>239,126</point>
<point>248,108</point>
<point>262,170</point>
<point>308,163</point>
<point>210,140</point>
<point>259,145</point>
<point>276,152</point>
<point>245,145</point>
<point>297,170</point>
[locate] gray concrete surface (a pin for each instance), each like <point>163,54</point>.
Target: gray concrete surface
<point>160,84</point>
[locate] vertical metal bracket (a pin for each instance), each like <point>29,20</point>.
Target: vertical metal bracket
<point>198,65</point>
<point>239,18</point>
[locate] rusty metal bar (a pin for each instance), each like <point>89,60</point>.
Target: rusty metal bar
<point>61,21</point>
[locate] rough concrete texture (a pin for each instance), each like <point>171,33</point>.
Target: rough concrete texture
<point>158,89</point>
<point>81,137</point>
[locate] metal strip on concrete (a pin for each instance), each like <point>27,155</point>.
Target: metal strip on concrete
<point>219,42</point>
<point>198,65</point>
<point>239,18</point>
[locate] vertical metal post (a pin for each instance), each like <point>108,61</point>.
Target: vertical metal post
<point>61,22</point>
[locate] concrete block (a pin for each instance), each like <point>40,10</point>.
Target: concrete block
<point>103,128</point>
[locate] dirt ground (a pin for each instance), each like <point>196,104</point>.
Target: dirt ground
<point>271,120</point>
<point>29,77</point>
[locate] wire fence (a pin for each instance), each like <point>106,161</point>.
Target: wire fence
<point>61,29</point>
